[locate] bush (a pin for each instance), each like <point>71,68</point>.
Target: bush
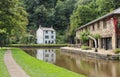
<point>116,51</point>
<point>86,48</point>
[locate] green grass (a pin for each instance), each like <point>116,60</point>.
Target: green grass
<point>37,45</point>
<point>38,68</point>
<point>3,69</point>
<point>86,48</point>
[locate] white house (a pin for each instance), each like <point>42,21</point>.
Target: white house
<point>46,35</point>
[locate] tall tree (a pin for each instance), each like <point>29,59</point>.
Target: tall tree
<point>13,18</point>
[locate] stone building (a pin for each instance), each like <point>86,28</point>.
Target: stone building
<point>107,26</point>
<point>46,35</point>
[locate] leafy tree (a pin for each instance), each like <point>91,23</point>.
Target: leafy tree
<point>81,15</point>
<point>13,18</point>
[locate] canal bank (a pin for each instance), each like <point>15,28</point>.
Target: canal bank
<point>101,54</point>
<point>40,68</point>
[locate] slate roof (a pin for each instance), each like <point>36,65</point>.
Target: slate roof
<point>117,11</point>
<point>46,28</point>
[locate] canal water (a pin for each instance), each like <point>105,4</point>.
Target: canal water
<point>77,63</point>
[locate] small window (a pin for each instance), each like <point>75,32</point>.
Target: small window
<point>98,25</point>
<point>46,31</point>
<point>49,42</point>
<point>93,28</point>
<point>52,37</point>
<point>52,32</point>
<point>45,42</point>
<point>104,24</point>
<point>46,37</point>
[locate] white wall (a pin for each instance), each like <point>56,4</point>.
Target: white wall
<point>39,36</point>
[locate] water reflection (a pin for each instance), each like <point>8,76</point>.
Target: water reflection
<point>78,63</point>
<point>94,67</point>
<point>47,55</point>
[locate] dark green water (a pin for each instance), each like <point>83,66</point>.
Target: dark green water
<point>77,63</point>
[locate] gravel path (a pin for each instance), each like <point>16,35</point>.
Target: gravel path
<point>13,68</point>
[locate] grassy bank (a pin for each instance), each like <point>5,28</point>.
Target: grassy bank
<point>3,69</point>
<point>37,45</point>
<point>37,68</point>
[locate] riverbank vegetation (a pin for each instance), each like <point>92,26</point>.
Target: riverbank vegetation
<point>86,48</point>
<point>37,45</point>
<point>38,68</point>
<point>64,15</point>
<point>116,51</point>
<point>3,69</point>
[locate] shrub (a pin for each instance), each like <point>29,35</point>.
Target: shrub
<point>116,51</point>
<point>86,48</point>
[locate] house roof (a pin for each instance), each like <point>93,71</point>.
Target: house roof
<point>46,28</point>
<point>117,11</point>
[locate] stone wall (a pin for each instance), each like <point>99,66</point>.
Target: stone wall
<point>105,28</point>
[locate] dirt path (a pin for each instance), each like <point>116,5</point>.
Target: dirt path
<point>13,68</point>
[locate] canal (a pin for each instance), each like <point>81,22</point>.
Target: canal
<point>77,63</point>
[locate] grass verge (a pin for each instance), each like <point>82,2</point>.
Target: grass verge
<point>37,45</point>
<point>3,69</point>
<point>37,68</point>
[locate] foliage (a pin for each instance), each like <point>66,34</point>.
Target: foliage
<point>116,51</point>
<point>81,15</point>
<point>65,16</point>
<point>13,19</point>
<point>86,48</point>
<point>84,36</point>
<point>3,69</point>
<point>40,68</point>
<point>96,36</point>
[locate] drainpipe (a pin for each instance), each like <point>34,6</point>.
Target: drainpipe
<point>94,42</point>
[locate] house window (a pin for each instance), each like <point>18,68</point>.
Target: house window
<point>98,25</point>
<point>52,42</point>
<point>104,24</point>
<point>45,42</point>
<point>46,31</point>
<point>93,27</point>
<point>49,42</point>
<point>52,37</point>
<point>52,32</point>
<point>46,37</point>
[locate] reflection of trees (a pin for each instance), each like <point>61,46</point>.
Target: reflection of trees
<point>66,62</point>
<point>30,51</point>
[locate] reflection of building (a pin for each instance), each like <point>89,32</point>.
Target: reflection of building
<point>47,55</point>
<point>46,35</point>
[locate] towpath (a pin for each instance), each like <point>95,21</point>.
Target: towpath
<point>13,68</point>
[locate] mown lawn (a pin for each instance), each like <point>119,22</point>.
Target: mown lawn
<point>37,68</point>
<point>3,69</point>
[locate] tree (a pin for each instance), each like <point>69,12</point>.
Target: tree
<point>81,15</point>
<point>13,18</point>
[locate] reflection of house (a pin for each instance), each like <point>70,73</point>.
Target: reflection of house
<point>46,35</point>
<point>47,55</point>
<point>107,26</point>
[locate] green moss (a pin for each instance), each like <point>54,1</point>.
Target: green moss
<point>116,51</point>
<point>3,69</point>
<point>38,68</point>
<point>85,47</point>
